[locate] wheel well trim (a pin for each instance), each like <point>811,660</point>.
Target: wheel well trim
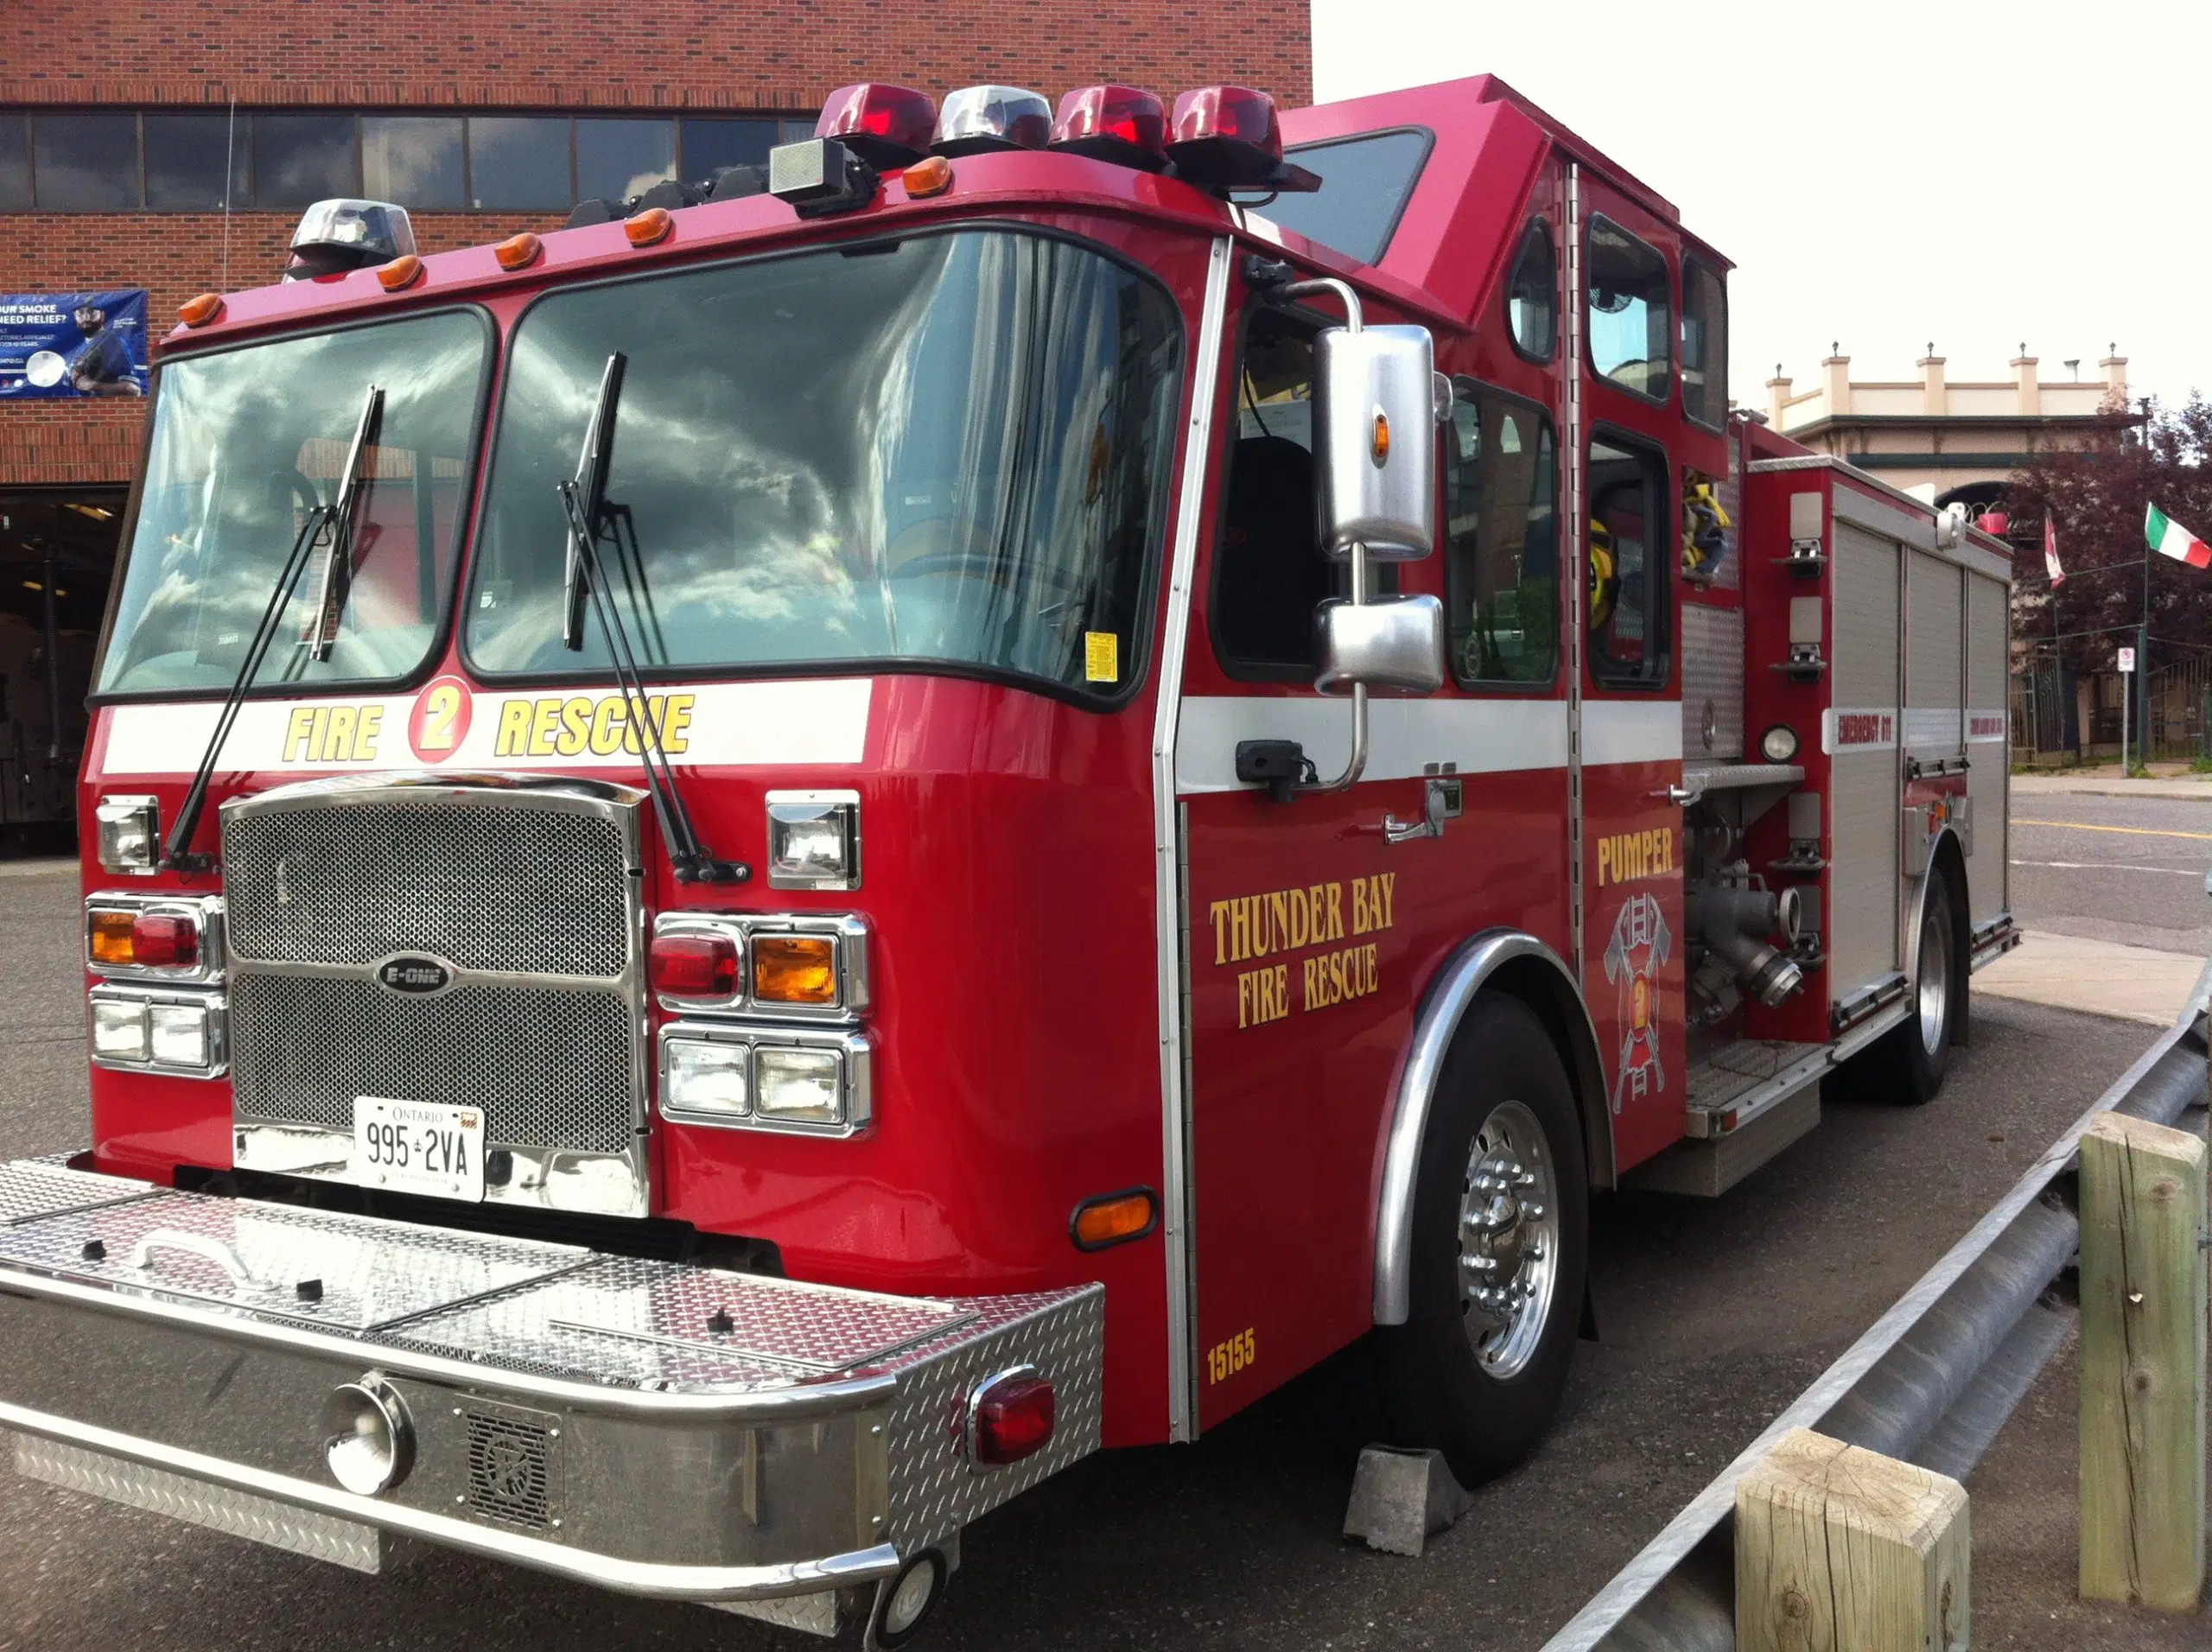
<point>1474,966</point>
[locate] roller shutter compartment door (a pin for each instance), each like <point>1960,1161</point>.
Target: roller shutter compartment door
<point>1988,744</point>
<point>1936,657</point>
<point>1865,803</point>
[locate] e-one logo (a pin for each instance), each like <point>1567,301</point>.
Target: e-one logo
<point>417,977</point>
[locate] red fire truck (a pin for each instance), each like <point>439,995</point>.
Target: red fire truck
<point>763,868</point>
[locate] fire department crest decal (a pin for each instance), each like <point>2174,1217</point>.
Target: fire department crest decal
<point>1640,944</point>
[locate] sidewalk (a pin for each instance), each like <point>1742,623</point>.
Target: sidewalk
<point>2110,782</point>
<point>2134,983</point>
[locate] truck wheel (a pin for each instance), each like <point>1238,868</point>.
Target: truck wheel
<point>1919,1051</point>
<point>1500,1251</point>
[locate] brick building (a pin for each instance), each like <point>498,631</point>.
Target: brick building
<point>126,133</point>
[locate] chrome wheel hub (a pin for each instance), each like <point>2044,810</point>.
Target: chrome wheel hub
<point>1509,1240</point>
<point>1933,991</point>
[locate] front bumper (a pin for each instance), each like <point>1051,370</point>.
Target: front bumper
<point>666,1431</point>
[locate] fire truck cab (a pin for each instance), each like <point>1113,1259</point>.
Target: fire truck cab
<point>762,868</point>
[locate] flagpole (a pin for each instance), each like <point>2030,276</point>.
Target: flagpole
<point>2143,633</point>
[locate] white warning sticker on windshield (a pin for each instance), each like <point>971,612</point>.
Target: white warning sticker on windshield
<point>447,723</point>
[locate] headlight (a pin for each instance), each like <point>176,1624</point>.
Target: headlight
<point>706,1078</point>
<point>1779,743</point>
<point>813,840</point>
<point>130,831</point>
<point>179,1035</point>
<point>120,1031</point>
<point>801,1086</point>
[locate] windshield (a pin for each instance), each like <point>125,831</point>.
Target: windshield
<point>948,448</point>
<point>246,443</point>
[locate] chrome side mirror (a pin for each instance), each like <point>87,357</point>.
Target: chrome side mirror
<point>1388,644</point>
<point>1377,399</point>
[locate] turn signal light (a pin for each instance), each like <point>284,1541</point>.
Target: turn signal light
<point>887,126</point>
<point>650,227</point>
<point>795,969</point>
<point>108,937</point>
<point>1226,135</point>
<point>516,250</point>
<point>402,271</point>
<point>198,312</point>
<point>927,178</point>
<point>1126,124</point>
<point>1112,1217</point>
<point>693,966</point>
<point>1010,1417</point>
<point>1382,443</point>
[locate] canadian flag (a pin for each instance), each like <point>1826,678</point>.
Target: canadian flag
<point>2050,551</point>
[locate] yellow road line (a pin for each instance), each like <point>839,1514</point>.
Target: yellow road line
<point>2129,831</point>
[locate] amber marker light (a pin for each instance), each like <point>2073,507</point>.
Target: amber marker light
<point>518,250</point>
<point>1112,1217</point>
<point>402,271</point>
<point>795,969</point>
<point>109,936</point>
<point>927,178</point>
<point>650,227</point>
<point>198,312</point>
<point>1381,438</point>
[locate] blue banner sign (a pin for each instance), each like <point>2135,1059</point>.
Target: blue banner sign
<point>73,344</point>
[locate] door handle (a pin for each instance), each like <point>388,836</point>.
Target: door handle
<point>1681,797</point>
<point>1442,799</point>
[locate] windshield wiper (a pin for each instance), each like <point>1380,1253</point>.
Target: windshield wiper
<point>338,566</point>
<point>335,515</point>
<point>584,501</point>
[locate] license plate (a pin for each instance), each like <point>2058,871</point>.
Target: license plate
<point>419,1147</point>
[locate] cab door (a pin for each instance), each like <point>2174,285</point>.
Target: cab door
<point>1628,734</point>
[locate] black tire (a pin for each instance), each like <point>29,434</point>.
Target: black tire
<point>1435,1389</point>
<point>1913,1060</point>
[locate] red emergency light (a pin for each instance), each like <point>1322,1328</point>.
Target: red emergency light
<point>1124,124</point>
<point>978,119</point>
<point>693,966</point>
<point>1228,137</point>
<point>887,126</point>
<point>1010,1417</point>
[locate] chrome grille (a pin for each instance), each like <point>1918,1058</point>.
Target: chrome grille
<point>486,884</point>
<point>550,1066</point>
<point>509,1473</point>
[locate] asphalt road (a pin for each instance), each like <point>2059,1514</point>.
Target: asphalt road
<point>2124,869</point>
<point>1712,1317</point>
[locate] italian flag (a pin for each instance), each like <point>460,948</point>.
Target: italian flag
<point>2171,539</point>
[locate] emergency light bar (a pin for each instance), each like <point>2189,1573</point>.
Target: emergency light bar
<point>336,236</point>
<point>1228,137</point>
<point>978,119</point>
<point>1125,124</point>
<point>887,126</point>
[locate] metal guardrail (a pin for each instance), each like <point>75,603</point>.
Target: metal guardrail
<point>1932,1380</point>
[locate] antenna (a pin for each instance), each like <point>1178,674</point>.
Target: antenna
<point>229,176</point>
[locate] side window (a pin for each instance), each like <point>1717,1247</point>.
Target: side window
<point>1269,574</point>
<point>1532,294</point>
<point>1501,485</point>
<point>1705,345</point>
<point>1630,534</point>
<point>1631,319</point>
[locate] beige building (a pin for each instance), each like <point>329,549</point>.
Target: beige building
<point>1942,439</point>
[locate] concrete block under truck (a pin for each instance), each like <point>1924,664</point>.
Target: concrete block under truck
<point>723,924</point>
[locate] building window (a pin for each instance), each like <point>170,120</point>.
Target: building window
<point>85,163</point>
<point>519,163</point>
<point>414,159</point>
<point>616,159</point>
<point>185,159</point>
<point>1705,345</point>
<point>1501,486</point>
<point>1631,323</point>
<point>708,146</point>
<point>14,162</point>
<point>1532,294</point>
<point>300,159</point>
<point>1632,528</point>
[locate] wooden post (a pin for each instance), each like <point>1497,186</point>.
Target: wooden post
<point>1840,1549</point>
<point>2142,1347</point>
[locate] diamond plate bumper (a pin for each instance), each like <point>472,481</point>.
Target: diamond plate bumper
<point>661,1430</point>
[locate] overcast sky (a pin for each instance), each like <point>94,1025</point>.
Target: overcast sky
<point>1882,172</point>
